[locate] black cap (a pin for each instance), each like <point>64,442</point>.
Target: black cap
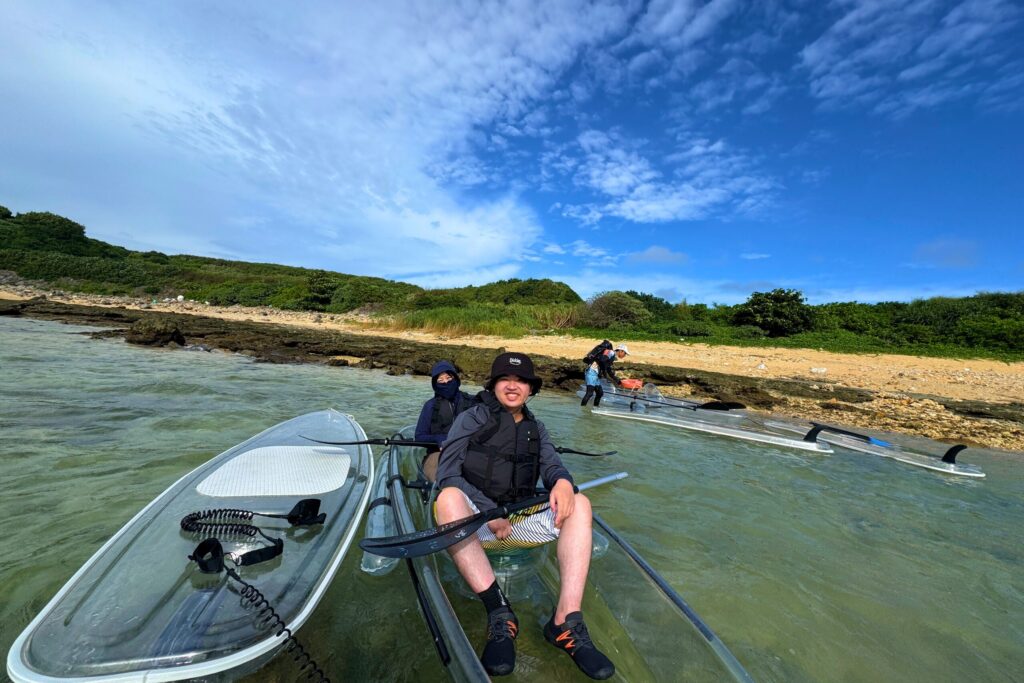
<point>518,364</point>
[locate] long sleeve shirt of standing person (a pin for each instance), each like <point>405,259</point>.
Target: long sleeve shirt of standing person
<point>453,454</point>
<point>604,365</point>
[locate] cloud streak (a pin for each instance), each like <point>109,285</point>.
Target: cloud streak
<point>897,58</point>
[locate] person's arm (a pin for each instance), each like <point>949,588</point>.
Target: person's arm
<point>453,454</point>
<point>423,432</point>
<point>556,478</point>
<point>609,371</point>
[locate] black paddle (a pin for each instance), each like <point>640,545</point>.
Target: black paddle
<point>376,442</point>
<point>430,444</point>
<point>429,541</point>
<point>560,449</point>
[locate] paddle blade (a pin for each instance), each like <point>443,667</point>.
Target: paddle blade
<point>560,449</point>
<point>721,405</point>
<point>424,542</point>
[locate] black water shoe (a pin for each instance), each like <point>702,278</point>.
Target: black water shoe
<point>499,657</point>
<point>573,637</point>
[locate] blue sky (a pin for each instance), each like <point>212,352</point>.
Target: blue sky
<point>855,150</point>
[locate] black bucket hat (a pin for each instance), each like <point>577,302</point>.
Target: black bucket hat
<point>518,364</point>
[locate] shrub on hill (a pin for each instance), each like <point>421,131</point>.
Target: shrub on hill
<point>371,292</point>
<point>43,231</point>
<point>660,309</point>
<point>780,312</point>
<point>527,292</point>
<point>615,309</point>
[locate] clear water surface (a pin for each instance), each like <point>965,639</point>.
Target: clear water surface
<point>811,568</point>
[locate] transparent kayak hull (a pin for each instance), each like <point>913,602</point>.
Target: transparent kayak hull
<point>642,625</point>
<point>650,399</point>
<point>733,431</point>
<point>139,609</point>
<point>891,451</point>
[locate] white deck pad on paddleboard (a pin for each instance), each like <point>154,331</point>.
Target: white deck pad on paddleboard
<point>279,471</point>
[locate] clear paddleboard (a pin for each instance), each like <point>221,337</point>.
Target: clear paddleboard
<point>140,609</point>
<point>863,443</point>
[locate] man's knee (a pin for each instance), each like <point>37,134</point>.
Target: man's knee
<point>582,506</point>
<point>451,504</point>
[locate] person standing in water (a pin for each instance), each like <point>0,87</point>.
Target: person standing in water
<point>494,455</point>
<point>601,367</point>
<point>438,414</point>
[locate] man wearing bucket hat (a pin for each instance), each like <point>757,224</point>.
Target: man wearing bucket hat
<point>600,367</point>
<point>494,455</point>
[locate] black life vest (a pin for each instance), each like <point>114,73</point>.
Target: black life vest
<point>444,411</point>
<point>503,456</point>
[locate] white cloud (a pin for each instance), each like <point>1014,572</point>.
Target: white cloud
<point>946,253</point>
<point>754,256</point>
<point>701,177</point>
<point>901,57</point>
<point>356,121</point>
<point>657,255</point>
<point>694,290</point>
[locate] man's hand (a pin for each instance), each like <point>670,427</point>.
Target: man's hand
<point>563,500</point>
<point>500,527</point>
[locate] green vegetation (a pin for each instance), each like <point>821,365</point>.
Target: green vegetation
<point>54,249</point>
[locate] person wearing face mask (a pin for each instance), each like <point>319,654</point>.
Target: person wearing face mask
<point>494,454</point>
<point>439,412</point>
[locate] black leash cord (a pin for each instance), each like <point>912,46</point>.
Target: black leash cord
<point>209,555</point>
<point>269,616</point>
<point>220,522</point>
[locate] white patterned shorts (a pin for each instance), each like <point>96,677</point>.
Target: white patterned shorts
<point>530,528</point>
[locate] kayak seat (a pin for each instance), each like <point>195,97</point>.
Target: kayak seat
<point>279,471</point>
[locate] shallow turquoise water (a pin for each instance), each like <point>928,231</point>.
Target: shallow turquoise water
<point>809,567</point>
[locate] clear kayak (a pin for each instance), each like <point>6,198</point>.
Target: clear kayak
<point>862,443</point>
<point>650,399</point>
<point>756,431</point>
<point>634,616</point>
<point>141,610</point>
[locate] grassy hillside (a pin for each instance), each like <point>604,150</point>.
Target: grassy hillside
<point>54,249</point>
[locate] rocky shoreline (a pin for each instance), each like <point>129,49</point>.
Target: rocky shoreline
<point>977,423</point>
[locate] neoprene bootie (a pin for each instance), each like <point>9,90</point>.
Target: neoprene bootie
<point>573,638</point>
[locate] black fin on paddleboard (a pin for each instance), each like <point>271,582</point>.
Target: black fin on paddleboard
<point>951,454</point>
<point>305,513</point>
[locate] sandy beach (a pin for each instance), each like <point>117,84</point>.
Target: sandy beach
<point>899,381</point>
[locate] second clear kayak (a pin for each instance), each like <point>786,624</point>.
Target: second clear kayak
<point>633,614</point>
<point>756,433</point>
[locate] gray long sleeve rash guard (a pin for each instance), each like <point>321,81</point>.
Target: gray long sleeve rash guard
<point>453,454</point>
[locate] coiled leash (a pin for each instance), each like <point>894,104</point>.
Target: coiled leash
<point>209,555</point>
